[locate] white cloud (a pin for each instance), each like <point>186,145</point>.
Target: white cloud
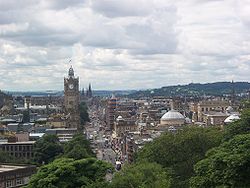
<point>117,44</point>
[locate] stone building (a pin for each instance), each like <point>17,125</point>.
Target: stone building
<point>15,176</point>
<point>121,126</point>
<point>199,109</point>
<point>110,112</point>
<point>72,100</point>
<point>20,150</point>
<point>171,119</point>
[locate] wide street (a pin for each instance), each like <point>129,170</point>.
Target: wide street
<point>100,141</point>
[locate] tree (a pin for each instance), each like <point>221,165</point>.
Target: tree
<point>5,157</point>
<point>142,175</point>
<point>78,148</point>
<point>26,116</point>
<point>181,151</point>
<point>84,116</point>
<point>46,149</point>
<point>241,126</point>
<point>70,173</point>
<point>225,166</point>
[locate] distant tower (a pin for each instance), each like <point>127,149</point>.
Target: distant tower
<point>90,91</point>
<point>72,99</point>
<point>233,97</point>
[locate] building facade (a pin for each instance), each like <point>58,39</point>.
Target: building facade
<point>15,176</point>
<point>19,150</point>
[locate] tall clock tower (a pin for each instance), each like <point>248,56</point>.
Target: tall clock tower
<point>72,100</point>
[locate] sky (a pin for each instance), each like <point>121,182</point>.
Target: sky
<point>125,44</point>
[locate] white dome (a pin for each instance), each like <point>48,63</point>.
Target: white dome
<point>172,115</point>
<point>231,118</point>
<point>229,109</point>
<point>119,118</point>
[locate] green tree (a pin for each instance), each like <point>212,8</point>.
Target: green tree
<point>70,173</point>
<point>26,116</point>
<point>225,166</point>
<point>241,126</point>
<point>181,151</point>
<point>46,149</point>
<point>5,157</point>
<point>245,104</point>
<point>142,175</point>
<point>84,116</point>
<point>78,148</point>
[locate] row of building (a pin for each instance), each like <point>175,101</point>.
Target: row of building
<point>136,122</point>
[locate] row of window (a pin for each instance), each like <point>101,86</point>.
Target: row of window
<point>17,148</point>
<point>24,155</point>
<point>207,109</point>
<point>13,183</point>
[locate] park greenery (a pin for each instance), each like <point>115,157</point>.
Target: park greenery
<point>70,173</point>
<point>47,149</point>
<point>144,175</point>
<point>181,151</point>
<point>226,165</point>
<point>78,148</point>
<point>67,165</point>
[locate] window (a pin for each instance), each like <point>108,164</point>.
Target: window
<point>19,181</point>
<point>9,183</point>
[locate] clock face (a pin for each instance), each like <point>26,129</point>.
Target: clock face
<point>71,86</point>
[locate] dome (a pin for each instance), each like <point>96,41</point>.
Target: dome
<point>172,115</point>
<point>119,118</point>
<point>231,118</point>
<point>188,120</point>
<point>229,109</point>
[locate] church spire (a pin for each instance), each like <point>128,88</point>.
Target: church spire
<point>232,93</point>
<point>90,91</point>
<point>71,71</point>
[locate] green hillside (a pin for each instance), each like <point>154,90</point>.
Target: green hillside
<point>195,89</point>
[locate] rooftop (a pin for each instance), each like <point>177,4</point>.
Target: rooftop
<point>27,142</point>
<point>6,168</point>
<point>172,114</point>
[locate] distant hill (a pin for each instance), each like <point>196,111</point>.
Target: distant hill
<point>195,89</point>
<point>101,93</point>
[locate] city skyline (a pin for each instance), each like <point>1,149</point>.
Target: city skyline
<point>118,45</point>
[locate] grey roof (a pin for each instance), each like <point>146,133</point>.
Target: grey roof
<point>12,127</point>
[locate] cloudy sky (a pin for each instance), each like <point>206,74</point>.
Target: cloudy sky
<point>123,44</point>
